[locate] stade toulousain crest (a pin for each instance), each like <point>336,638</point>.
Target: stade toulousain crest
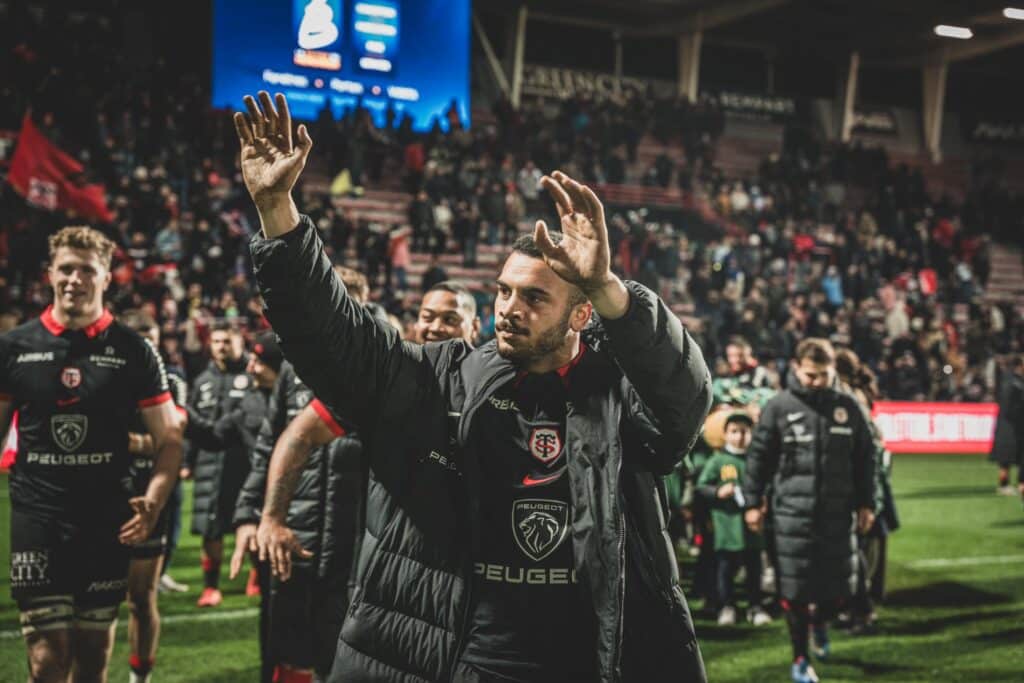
<point>69,431</point>
<point>545,444</point>
<point>71,377</point>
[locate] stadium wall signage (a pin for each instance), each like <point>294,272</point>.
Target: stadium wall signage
<point>757,107</point>
<point>993,131</point>
<point>911,427</point>
<point>875,122</point>
<point>558,82</point>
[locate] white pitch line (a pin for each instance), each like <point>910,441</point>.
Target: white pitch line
<point>226,615</point>
<point>940,562</point>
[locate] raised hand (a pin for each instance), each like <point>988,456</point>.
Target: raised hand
<point>582,257</point>
<point>270,162</point>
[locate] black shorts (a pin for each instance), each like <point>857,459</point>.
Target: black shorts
<point>156,544</point>
<point>55,557</point>
<point>306,614</point>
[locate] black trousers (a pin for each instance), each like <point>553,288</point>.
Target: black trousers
<point>727,564</point>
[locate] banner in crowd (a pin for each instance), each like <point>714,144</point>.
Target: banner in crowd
<point>911,427</point>
<point>875,121</point>
<point>757,107</point>
<point>994,130</point>
<point>50,179</point>
<point>559,82</point>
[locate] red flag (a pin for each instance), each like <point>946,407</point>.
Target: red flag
<point>46,177</point>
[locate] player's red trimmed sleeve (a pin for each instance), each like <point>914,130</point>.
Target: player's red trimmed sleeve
<point>328,417</point>
<point>149,381</point>
<point>155,400</point>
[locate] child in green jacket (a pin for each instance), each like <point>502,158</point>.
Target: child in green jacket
<point>735,545</point>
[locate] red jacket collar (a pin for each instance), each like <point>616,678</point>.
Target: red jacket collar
<point>91,330</point>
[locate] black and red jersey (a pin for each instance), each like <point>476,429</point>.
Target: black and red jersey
<point>76,392</point>
<point>530,618</point>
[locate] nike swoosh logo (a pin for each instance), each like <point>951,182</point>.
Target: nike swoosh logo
<point>530,481</point>
<point>792,417</point>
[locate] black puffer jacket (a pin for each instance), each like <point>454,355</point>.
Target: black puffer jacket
<point>225,411</point>
<point>635,415</point>
<point>816,450</point>
<point>1008,442</point>
<point>326,509</point>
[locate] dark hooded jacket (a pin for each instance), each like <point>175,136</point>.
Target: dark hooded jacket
<point>634,415</point>
<point>1008,441</point>
<point>326,507</point>
<point>816,451</point>
<point>225,411</point>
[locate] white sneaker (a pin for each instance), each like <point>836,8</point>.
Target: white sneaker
<point>169,585</point>
<point>136,678</point>
<point>758,617</point>
<point>1006,490</point>
<point>727,616</point>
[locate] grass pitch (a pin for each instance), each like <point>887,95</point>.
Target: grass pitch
<point>955,609</point>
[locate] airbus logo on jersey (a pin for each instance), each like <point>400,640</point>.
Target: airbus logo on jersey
<point>69,431</point>
<point>545,444</point>
<point>34,357</point>
<point>539,526</point>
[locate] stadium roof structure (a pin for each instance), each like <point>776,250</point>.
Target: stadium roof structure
<point>843,36</point>
<point>883,31</point>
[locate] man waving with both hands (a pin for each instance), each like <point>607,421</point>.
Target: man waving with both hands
<point>514,519</point>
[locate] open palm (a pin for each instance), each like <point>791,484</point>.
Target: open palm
<point>270,162</point>
<point>582,257</point>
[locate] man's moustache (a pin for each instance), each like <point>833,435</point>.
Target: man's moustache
<point>506,326</point>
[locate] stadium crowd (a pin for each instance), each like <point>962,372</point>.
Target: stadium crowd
<point>891,272</point>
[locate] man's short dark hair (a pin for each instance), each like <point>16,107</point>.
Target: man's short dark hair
<point>527,246</point>
<point>223,325</point>
<point>465,299</point>
<point>816,350</point>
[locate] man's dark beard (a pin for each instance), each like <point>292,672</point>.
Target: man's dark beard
<point>548,341</point>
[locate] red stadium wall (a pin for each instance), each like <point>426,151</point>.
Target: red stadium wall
<point>936,427</point>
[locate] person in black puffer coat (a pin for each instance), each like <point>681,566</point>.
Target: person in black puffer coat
<point>224,415</point>
<point>300,618</point>
<point>318,463</point>
<point>464,571</point>
<point>813,446</point>
<point>1008,442</point>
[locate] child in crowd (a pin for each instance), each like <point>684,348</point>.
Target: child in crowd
<point>735,546</point>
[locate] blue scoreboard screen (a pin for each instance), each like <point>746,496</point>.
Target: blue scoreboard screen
<point>411,55</point>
